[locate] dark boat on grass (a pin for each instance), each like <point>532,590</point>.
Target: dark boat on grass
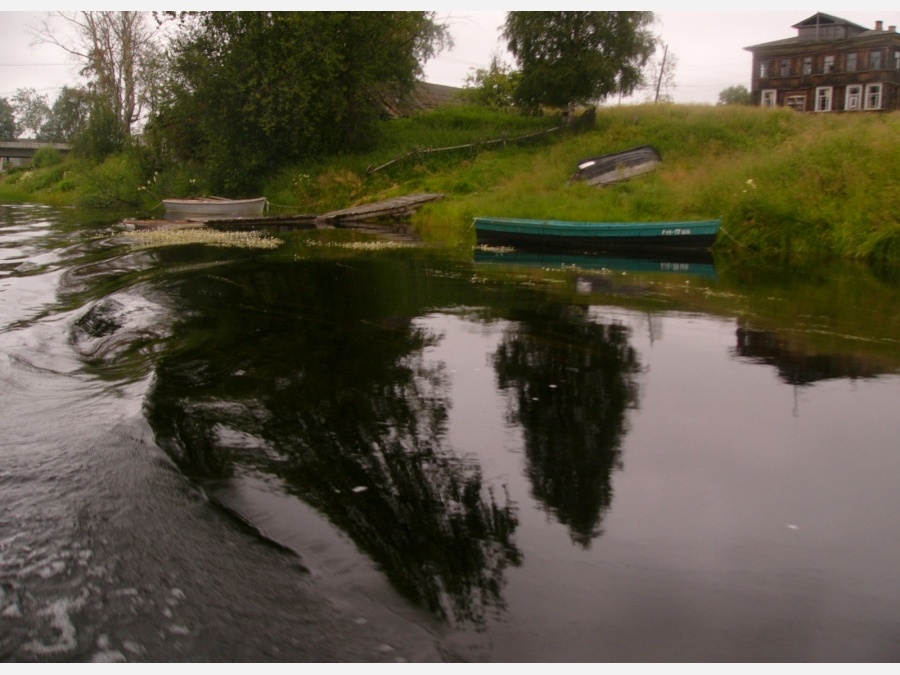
<point>617,166</point>
<point>643,238</point>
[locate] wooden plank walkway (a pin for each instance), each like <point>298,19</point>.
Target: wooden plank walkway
<point>395,208</point>
<point>242,222</point>
<point>389,208</point>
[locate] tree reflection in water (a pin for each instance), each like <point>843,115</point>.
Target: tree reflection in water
<point>325,380</point>
<point>570,381</point>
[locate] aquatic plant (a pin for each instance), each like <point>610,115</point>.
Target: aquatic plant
<point>203,235</point>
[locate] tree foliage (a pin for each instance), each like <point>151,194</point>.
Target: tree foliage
<point>735,95</point>
<point>250,91</point>
<point>493,87</point>
<point>31,111</point>
<point>7,120</point>
<point>578,57</point>
<point>68,117</point>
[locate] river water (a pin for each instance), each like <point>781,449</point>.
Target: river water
<point>352,448</point>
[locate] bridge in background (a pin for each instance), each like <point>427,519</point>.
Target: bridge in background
<point>22,150</point>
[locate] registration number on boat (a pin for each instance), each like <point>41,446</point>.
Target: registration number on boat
<point>676,230</point>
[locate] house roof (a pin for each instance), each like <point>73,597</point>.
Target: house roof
<point>424,96</point>
<point>822,19</point>
<point>818,19</point>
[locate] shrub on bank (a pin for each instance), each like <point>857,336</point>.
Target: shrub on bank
<point>46,157</point>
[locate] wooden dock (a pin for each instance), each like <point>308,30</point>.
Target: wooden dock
<point>396,209</point>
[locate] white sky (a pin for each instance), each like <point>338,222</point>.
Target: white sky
<point>709,45</point>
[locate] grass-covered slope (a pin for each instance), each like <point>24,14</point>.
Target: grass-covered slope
<point>786,184</point>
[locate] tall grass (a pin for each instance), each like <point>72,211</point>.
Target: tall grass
<point>336,181</point>
<point>785,184</point>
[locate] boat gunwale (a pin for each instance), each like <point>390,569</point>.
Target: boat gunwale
<point>695,237</point>
<point>212,201</point>
<point>562,228</point>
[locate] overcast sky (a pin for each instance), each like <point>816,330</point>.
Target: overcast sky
<point>709,45</point>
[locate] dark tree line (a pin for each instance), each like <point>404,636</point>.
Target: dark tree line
<point>247,91</point>
<point>204,86</point>
<point>29,115</point>
<point>77,117</point>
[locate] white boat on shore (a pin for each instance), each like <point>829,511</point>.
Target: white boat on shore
<point>214,206</point>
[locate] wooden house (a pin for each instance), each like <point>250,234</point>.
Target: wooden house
<point>831,65</point>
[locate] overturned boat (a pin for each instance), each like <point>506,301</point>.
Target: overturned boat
<point>617,166</point>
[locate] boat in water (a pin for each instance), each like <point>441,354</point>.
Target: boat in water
<point>617,166</point>
<point>214,206</point>
<point>636,238</point>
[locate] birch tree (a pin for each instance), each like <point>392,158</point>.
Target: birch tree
<point>31,111</point>
<point>578,57</point>
<point>119,58</point>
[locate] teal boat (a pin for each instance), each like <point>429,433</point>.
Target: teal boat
<point>634,238</point>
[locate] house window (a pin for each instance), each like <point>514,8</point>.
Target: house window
<point>796,102</point>
<point>851,62</point>
<point>785,67</point>
<point>896,60</point>
<point>873,96</point>
<point>853,99</point>
<point>763,68</point>
<point>807,65</point>
<point>828,64</point>
<point>875,61</point>
<point>823,99</point>
<point>768,98</point>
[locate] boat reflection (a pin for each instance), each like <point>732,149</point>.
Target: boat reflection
<point>701,264</point>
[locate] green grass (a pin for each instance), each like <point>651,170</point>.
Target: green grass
<point>787,185</point>
<point>406,146</point>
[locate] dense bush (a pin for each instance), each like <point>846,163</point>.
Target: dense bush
<point>45,157</point>
<point>114,183</point>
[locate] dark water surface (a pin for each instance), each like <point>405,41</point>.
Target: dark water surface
<point>341,450</point>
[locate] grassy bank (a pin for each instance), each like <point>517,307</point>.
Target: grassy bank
<point>787,185</point>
